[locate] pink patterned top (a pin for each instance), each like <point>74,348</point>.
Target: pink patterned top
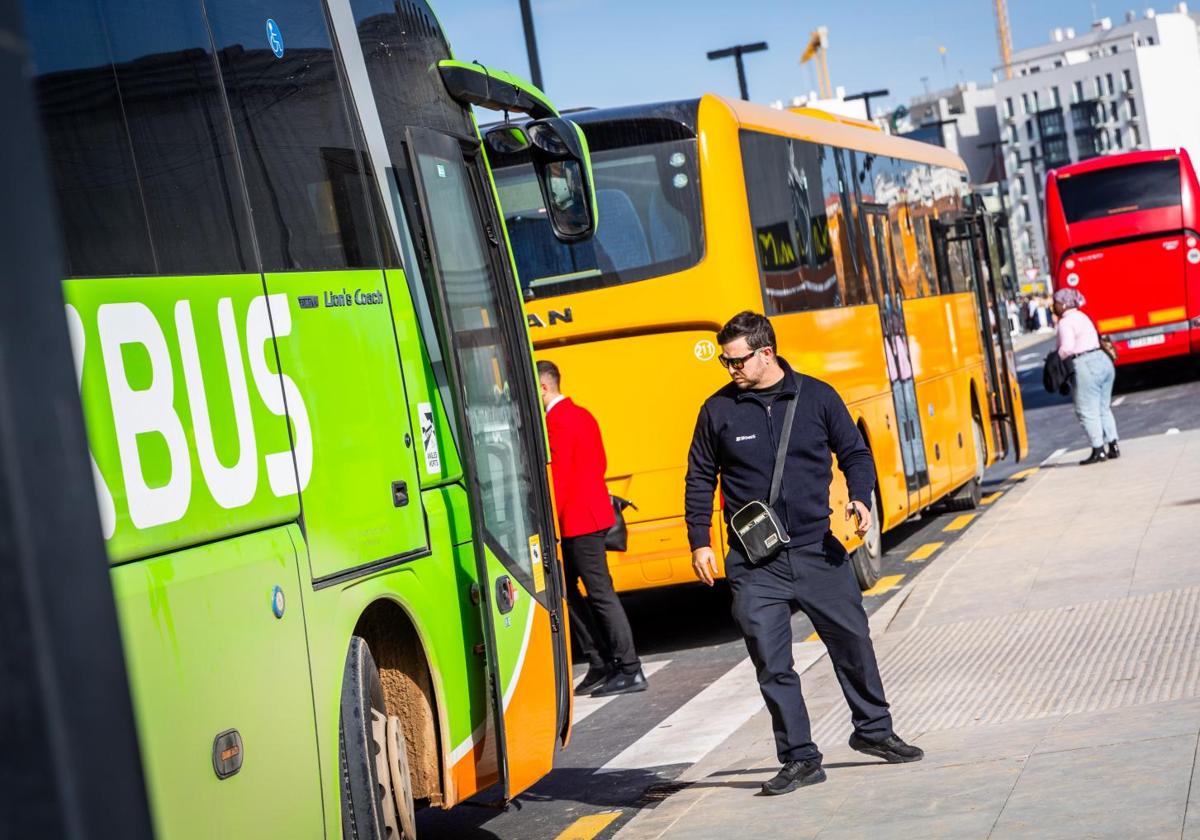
<point>1076,334</point>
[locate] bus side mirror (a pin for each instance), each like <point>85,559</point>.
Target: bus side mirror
<point>506,139</point>
<point>563,167</point>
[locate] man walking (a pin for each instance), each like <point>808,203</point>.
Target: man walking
<point>735,437</point>
<point>585,514</point>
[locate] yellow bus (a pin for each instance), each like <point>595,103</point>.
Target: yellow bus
<point>880,271</point>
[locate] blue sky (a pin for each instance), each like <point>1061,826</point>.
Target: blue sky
<point>613,52</point>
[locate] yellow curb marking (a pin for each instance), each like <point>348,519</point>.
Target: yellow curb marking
<point>585,828</point>
<point>813,637</point>
<point>991,497</point>
<point>924,552</point>
<point>884,584</point>
<point>1023,474</point>
<point>960,522</point>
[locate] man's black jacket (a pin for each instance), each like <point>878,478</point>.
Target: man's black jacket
<point>736,435</point>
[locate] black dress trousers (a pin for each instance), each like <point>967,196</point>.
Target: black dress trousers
<point>598,622</point>
<point>819,579</point>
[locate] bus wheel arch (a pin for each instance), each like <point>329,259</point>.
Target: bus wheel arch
<point>408,691</point>
<point>867,559</point>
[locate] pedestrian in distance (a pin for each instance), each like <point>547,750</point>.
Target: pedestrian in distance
<point>585,513</point>
<point>736,441</point>
<point>1079,341</point>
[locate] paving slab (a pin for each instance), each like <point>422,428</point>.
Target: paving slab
<point>1048,662</point>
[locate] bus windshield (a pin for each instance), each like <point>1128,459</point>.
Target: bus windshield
<point>1125,189</point>
<point>648,203</point>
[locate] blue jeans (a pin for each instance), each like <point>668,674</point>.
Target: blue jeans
<point>1094,374</point>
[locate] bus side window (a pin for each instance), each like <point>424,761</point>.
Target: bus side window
<point>843,228</point>
<point>194,202</point>
<point>304,168</point>
<point>788,215</point>
<point>103,222</point>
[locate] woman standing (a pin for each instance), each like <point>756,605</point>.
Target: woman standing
<point>1094,374</point>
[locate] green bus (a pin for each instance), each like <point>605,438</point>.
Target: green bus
<point>315,435</point>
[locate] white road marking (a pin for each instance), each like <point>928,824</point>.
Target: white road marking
<point>1052,456</point>
<point>704,722</point>
<point>587,704</point>
<point>1025,357</point>
<point>1118,401</point>
<point>1172,431</point>
<point>1024,368</point>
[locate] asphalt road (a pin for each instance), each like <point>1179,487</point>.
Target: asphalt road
<point>686,632</point>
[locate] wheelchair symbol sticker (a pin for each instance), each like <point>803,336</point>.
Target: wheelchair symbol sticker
<point>705,350</point>
<point>274,38</point>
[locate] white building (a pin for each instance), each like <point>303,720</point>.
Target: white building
<point>963,119</point>
<point>855,108</point>
<point>1113,88</point>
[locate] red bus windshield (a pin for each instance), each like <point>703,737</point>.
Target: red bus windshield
<point>1125,189</point>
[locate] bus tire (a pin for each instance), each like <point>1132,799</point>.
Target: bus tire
<point>867,559</point>
<point>371,806</point>
<point>969,495</point>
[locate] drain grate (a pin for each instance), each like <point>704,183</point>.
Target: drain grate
<point>658,792</point>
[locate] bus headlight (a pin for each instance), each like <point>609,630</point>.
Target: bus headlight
<point>1194,256</point>
<point>1072,279</point>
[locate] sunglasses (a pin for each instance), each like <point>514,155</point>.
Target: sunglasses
<point>737,362</point>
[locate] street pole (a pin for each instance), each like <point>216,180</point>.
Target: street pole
<point>866,96</point>
<point>535,66</point>
<point>1033,160</point>
<point>737,51</point>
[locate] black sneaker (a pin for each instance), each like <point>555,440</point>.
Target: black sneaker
<point>792,775</point>
<point>622,683</point>
<point>891,749</point>
<point>1114,451</point>
<point>594,677</point>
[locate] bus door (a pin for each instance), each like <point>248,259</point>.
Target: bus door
<point>978,239</point>
<point>502,451</point>
<point>890,296</point>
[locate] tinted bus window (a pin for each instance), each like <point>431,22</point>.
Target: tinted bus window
<point>1126,189</point>
<point>177,126</point>
<point>648,198</point>
<point>790,222</point>
<point>103,222</point>
<point>303,163</point>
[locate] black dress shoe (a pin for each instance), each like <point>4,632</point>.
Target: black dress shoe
<point>891,749</point>
<point>594,677</point>
<point>1095,458</point>
<point>792,775</point>
<point>622,683</point>
<point>1114,452</point>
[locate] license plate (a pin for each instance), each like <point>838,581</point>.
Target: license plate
<point>1146,341</point>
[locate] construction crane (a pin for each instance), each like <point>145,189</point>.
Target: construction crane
<point>1004,36</point>
<point>818,46</point>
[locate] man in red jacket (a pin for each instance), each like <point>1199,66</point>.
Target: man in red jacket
<point>585,514</point>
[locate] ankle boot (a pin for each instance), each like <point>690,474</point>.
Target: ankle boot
<point>1096,457</point>
<point>1113,451</point>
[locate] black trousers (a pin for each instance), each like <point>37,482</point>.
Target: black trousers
<point>819,579</point>
<point>598,622</point>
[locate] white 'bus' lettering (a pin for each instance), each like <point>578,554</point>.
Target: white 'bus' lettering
<point>282,401</point>
<point>148,411</point>
<point>234,486</point>
<point>104,499</point>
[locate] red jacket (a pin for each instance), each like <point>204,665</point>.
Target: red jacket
<point>578,464</point>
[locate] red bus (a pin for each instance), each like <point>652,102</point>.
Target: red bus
<point>1122,229</point>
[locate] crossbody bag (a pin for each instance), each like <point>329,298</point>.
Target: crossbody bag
<point>755,524</point>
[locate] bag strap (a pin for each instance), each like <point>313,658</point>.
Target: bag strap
<point>781,452</point>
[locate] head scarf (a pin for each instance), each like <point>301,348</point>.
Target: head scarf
<point>1069,298</point>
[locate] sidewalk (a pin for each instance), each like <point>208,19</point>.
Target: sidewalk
<point>1048,663</point>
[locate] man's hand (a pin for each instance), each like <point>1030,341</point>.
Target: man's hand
<point>704,564</point>
<point>864,516</point>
